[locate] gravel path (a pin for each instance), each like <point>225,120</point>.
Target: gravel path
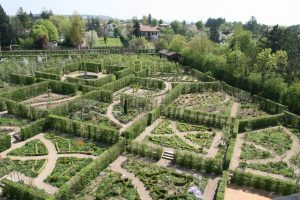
<point>234,109</point>
<point>211,188</point>
<point>235,159</point>
<point>116,166</point>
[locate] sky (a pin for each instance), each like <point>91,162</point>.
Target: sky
<point>270,12</point>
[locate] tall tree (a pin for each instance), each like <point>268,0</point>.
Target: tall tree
<point>5,29</point>
<point>52,30</point>
<point>91,38</point>
<point>46,14</point>
<point>266,63</point>
<point>252,26</point>
<point>136,28</point>
<point>23,17</point>
<point>160,22</point>
<point>76,30</point>
<point>214,34</point>
<point>199,25</point>
<point>149,19</point>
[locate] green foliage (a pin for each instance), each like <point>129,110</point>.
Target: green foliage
<point>92,82</point>
<point>75,33</point>
<point>280,168</point>
<point>118,84</point>
<point>97,133</point>
<point>229,153</point>
<point>39,30</point>
<point>164,127</point>
<point>145,150</point>
<point>16,191</point>
<point>153,115</point>
<point>45,75</point>
<point>136,128</point>
<point>5,142</point>
<point>264,183</point>
<point>50,27</point>
<point>222,186</point>
<point>124,72</point>
<point>90,172</point>
<point>33,129</point>
<point>21,79</point>
<point>99,95</point>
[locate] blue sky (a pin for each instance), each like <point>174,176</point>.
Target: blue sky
<point>266,11</point>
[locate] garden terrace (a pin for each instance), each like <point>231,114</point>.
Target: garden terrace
<point>271,151</point>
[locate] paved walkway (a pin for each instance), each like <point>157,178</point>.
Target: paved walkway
<point>148,130</point>
<point>235,159</point>
<point>116,166</point>
<point>211,188</point>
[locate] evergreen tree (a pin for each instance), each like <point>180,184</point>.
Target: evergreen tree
<point>136,28</point>
<point>5,29</point>
<point>214,34</point>
<point>76,30</point>
<point>149,19</point>
<point>125,106</point>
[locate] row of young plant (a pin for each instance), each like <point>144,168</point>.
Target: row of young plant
<point>90,172</point>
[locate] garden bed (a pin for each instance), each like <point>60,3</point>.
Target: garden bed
<point>32,148</point>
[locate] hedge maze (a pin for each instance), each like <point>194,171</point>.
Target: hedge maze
<point>139,127</point>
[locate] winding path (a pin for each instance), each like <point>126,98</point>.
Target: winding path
<point>116,166</point>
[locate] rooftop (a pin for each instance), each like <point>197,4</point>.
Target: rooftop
<point>148,29</point>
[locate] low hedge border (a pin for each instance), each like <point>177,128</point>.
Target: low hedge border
<point>16,191</point>
<point>222,186</point>
<point>145,150</point>
<point>20,79</point>
<point>33,129</point>
<point>5,142</point>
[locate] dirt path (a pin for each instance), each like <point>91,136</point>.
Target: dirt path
<point>235,159</point>
<point>234,109</point>
<point>211,188</point>
<point>238,193</point>
<point>111,116</point>
<point>213,150</point>
<point>116,166</point>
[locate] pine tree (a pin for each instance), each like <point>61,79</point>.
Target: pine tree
<point>125,106</point>
<point>5,29</point>
<point>136,28</point>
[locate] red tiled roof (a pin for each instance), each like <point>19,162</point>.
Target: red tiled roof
<point>148,29</point>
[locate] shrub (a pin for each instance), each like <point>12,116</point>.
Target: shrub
<point>15,191</point>
<point>33,128</point>
<point>118,84</point>
<point>264,183</point>
<point>5,142</point>
<point>153,115</point>
<point>45,75</point>
<point>268,105</point>
<point>82,129</point>
<point>99,95</point>
<point>124,72</point>
<point>142,73</point>
<point>145,150</point>
<point>291,119</point>
<point>261,122</point>
<point>229,153</point>
<point>136,128</point>
<point>222,186</point>
<point>202,76</point>
<point>21,79</point>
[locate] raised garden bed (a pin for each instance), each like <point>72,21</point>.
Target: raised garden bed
<point>32,148</point>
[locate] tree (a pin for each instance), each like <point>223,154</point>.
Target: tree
<point>91,38</point>
<point>52,30</point>
<point>136,28</point>
<point>266,63</point>
<point>125,106</point>
<point>160,22</point>
<point>23,17</point>
<point>39,30</point>
<point>46,14</point>
<point>214,22</point>
<point>76,30</point>
<point>292,98</point>
<point>237,61</point>
<point>214,34</point>
<point>282,64</point>
<point>138,43</point>
<point>149,19</point>
<point>61,23</point>
<point>252,26</point>
<point>5,29</point>
<point>154,22</point>
<point>199,25</point>
<point>178,43</point>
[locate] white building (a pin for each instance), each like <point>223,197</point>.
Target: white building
<point>151,33</point>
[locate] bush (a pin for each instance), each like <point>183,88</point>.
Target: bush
<point>149,83</point>
<point>261,122</point>
<point>118,84</point>
<point>153,115</point>
<point>291,119</point>
<point>145,150</point>
<point>5,142</point>
<point>99,95</point>
<point>63,88</point>
<point>142,73</point>
<point>2,104</point>
<point>222,186</point>
<point>92,82</point>
<point>136,128</point>
<point>268,105</point>
<point>194,161</point>
<point>16,191</point>
<point>45,75</point>
<point>82,129</point>
<point>124,72</point>
<point>90,172</point>
<point>202,76</point>
<point>229,152</point>
<point>264,183</point>
<point>33,129</point>
<point>21,79</point>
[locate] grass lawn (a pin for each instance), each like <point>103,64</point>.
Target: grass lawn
<point>111,42</point>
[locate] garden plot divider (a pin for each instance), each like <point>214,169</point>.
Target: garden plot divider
<point>202,76</point>
<point>97,133</point>
<point>220,195</point>
<point>145,150</point>
<point>118,84</point>
<point>292,119</point>
<point>99,82</point>
<point>20,79</point>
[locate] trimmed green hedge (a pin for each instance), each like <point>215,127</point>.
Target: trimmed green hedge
<point>92,82</point>
<point>269,105</point>
<point>136,128</point>
<point>229,152</point>
<point>82,129</point>
<point>45,75</point>
<point>2,104</point>
<point>18,191</point>
<point>90,172</point>
<point>142,73</point>
<point>111,69</point>
<point>118,84</point>
<point>145,150</point>
<point>264,183</point>
<point>99,95</point>
<point>202,76</point>
<point>87,88</point>
<point>190,116</point>
<point>149,83</point>
<point>20,79</point>
<point>291,119</point>
<point>222,186</point>
<point>33,129</point>
<point>153,115</point>
<point>124,72</point>
<point>5,142</point>
<point>173,94</point>
<point>261,122</point>
<point>194,161</point>
<point>63,88</point>
<point>24,111</point>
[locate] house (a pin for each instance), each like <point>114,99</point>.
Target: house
<point>171,56</point>
<point>151,33</point>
